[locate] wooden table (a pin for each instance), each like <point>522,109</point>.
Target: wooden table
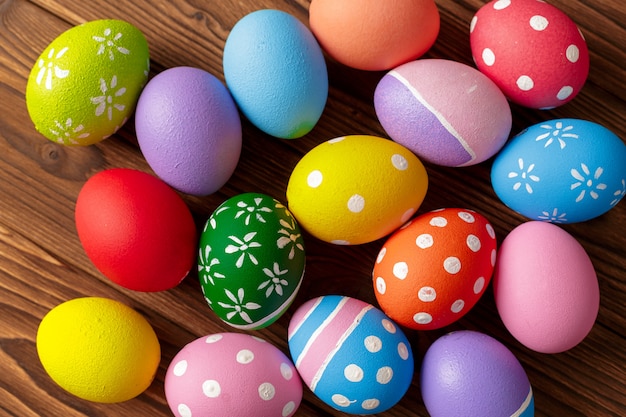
<point>43,264</point>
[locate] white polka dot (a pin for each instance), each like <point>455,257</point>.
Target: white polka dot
<point>493,257</point>
<point>381,255</point>
<point>389,326</point>
<point>214,338</point>
<point>422,318</point>
<point>341,400</point>
<point>267,391</point>
<point>452,265</point>
<point>403,351</point>
<point>466,217</point>
<point>501,4</point>
<point>427,294</point>
<point>473,242</point>
<point>373,344</point>
<point>289,408</point>
<point>473,23</point>
<point>407,215</point>
<point>381,285</point>
<point>572,53</point>
<point>337,140</point>
<point>401,270</point>
<point>353,373</point>
<point>564,92</point>
<point>356,203</point>
<point>490,231</point>
<point>245,356</point>
<point>399,162</point>
<point>370,404</point>
<point>180,368</point>
<point>184,410</point>
<point>340,242</point>
<point>211,388</point>
<point>286,371</point>
<point>479,285</point>
<point>314,179</point>
<point>384,375</point>
<point>525,83</point>
<point>424,241</point>
<point>538,22</point>
<point>489,58</point>
<point>438,222</point>
<point>457,306</point>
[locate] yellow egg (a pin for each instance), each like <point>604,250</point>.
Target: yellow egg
<point>86,83</point>
<point>98,349</point>
<point>356,189</point>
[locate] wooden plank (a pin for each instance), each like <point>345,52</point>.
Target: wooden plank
<point>43,264</point>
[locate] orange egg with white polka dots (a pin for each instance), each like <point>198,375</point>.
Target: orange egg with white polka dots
<point>434,269</point>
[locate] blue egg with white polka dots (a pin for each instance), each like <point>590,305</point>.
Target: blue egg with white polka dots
<point>561,171</point>
<point>350,354</point>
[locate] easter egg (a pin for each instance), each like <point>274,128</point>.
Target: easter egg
<point>98,349</point>
<point>135,229</point>
<point>468,373</point>
<point>232,374</point>
<point>356,189</point>
<point>545,287</point>
<point>561,171</point>
<point>86,83</point>
<point>434,269</point>
<point>372,34</point>
<point>532,50</point>
<point>276,72</point>
<point>350,354</point>
<point>188,129</point>
<point>251,260</point>
<point>446,112</point>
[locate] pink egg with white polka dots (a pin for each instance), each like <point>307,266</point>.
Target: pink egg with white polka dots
<point>532,50</point>
<point>232,374</point>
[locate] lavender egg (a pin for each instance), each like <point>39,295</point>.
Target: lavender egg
<point>189,130</point>
<point>467,373</point>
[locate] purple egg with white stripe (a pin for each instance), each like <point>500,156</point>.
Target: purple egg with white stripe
<point>350,354</point>
<point>468,373</point>
<point>445,112</point>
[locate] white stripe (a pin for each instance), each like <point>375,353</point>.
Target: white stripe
<point>331,355</point>
<point>525,404</point>
<point>444,122</point>
<point>319,330</point>
<point>305,318</point>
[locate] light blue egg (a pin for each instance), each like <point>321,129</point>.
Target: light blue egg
<point>275,71</point>
<point>561,171</point>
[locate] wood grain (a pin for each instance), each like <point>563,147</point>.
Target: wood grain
<point>42,262</point>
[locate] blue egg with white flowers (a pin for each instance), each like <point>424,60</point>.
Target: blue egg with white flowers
<point>276,73</point>
<point>561,171</point>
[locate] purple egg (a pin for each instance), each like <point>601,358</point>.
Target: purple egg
<point>467,373</point>
<point>189,130</point>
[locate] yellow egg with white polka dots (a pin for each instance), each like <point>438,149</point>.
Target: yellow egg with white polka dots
<point>356,189</point>
<point>98,349</point>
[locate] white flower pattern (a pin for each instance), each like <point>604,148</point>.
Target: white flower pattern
<point>205,265</point>
<point>66,133</point>
<point>243,245</point>
<point>524,176</point>
<point>238,306</point>
<point>275,282</point>
<point>587,181</point>
<point>252,211</point>
<point>109,43</point>
<point>289,238</point>
<point>619,194</point>
<point>106,102</point>
<point>48,69</point>
<point>553,217</point>
<point>558,133</point>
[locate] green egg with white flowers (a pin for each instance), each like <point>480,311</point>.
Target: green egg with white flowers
<point>85,85</point>
<point>251,260</point>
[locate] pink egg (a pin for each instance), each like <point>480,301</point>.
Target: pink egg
<point>232,374</point>
<point>532,50</point>
<point>545,287</point>
<point>445,112</point>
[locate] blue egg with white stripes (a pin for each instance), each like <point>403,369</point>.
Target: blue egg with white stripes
<point>350,354</point>
<point>561,171</point>
<point>276,73</point>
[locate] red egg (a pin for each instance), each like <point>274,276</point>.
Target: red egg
<point>532,50</point>
<point>136,229</point>
<point>434,269</point>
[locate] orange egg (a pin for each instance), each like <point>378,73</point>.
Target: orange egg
<point>433,270</point>
<point>374,35</point>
